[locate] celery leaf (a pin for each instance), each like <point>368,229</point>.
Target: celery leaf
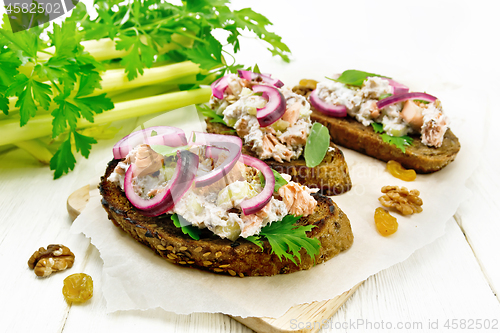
<point>91,105</point>
<point>187,229</point>
<point>399,141</point>
<point>140,55</point>
<point>63,160</point>
<point>287,239</point>
<point>206,111</point>
<point>83,143</point>
<point>377,127</point>
<point>29,90</point>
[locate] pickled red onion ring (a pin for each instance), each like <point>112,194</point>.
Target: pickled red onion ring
<point>253,205</point>
<point>183,177</point>
<point>404,97</point>
<point>325,107</point>
<point>165,135</point>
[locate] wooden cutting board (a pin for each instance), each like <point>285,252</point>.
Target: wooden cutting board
<point>299,318</point>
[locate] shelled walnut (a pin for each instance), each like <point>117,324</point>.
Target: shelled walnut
<point>406,202</point>
<point>55,258</point>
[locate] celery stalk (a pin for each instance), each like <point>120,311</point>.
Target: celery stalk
<point>116,79</point>
<point>105,48</point>
<point>40,126</point>
<point>36,148</point>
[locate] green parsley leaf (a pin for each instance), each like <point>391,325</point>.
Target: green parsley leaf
<point>140,55</point>
<point>28,90</point>
<point>83,143</point>
<point>93,105</point>
<point>317,145</point>
<point>209,113</point>
<point>421,101</point>
<point>279,181</point>
<point>377,127</point>
<point>286,239</point>
<point>10,63</point>
<point>208,55</point>
<point>65,115</point>
<point>167,150</point>
<point>354,77</point>
<point>4,101</point>
<point>186,228</point>
<point>88,83</point>
<point>399,141</point>
<point>63,160</point>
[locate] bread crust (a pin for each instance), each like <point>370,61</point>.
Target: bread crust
<point>348,132</point>
<point>222,256</point>
<point>331,176</point>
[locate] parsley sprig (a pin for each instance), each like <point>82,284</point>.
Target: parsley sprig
<point>287,239</point>
<point>399,141</point>
<point>186,228</point>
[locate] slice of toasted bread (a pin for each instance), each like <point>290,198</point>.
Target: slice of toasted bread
<point>348,132</point>
<point>239,258</point>
<point>331,176</point>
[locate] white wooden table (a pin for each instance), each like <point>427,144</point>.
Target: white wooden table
<point>454,280</point>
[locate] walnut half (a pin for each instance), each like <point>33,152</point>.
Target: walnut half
<point>406,202</point>
<point>55,258</point>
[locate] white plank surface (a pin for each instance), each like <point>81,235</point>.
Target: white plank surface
<point>455,277</point>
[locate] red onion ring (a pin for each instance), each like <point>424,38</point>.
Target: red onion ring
<point>327,108</point>
<point>258,77</point>
<point>230,142</point>
<point>253,205</point>
<point>397,88</point>
<point>184,175</point>
<point>214,152</point>
<point>219,86</point>
<point>275,107</point>
<point>165,135</point>
<point>404,97</point>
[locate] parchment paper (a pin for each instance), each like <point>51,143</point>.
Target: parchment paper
<point>135,278</point>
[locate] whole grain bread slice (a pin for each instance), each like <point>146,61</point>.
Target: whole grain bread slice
<point>331,176</point>
<point>348,132</point>
<point>214,254</point>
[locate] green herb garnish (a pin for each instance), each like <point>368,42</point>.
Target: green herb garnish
<point>256,69</point>
<point>167,150</point>
<point>206,111</point>
<point>279,181</point>
<point>383,96</point>
<point>399,141</point>
<point>354,77</point>
<point>377,127</point>
<point>421,101</point>
<point>317,145</point>
<point>154,133</point>
<point>186,228</point>
<point>286,239</point>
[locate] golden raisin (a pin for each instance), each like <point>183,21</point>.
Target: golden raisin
<point>310,84</point>
<point>397,170</point>
<point>78,288</point>
<point>386,223</point>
